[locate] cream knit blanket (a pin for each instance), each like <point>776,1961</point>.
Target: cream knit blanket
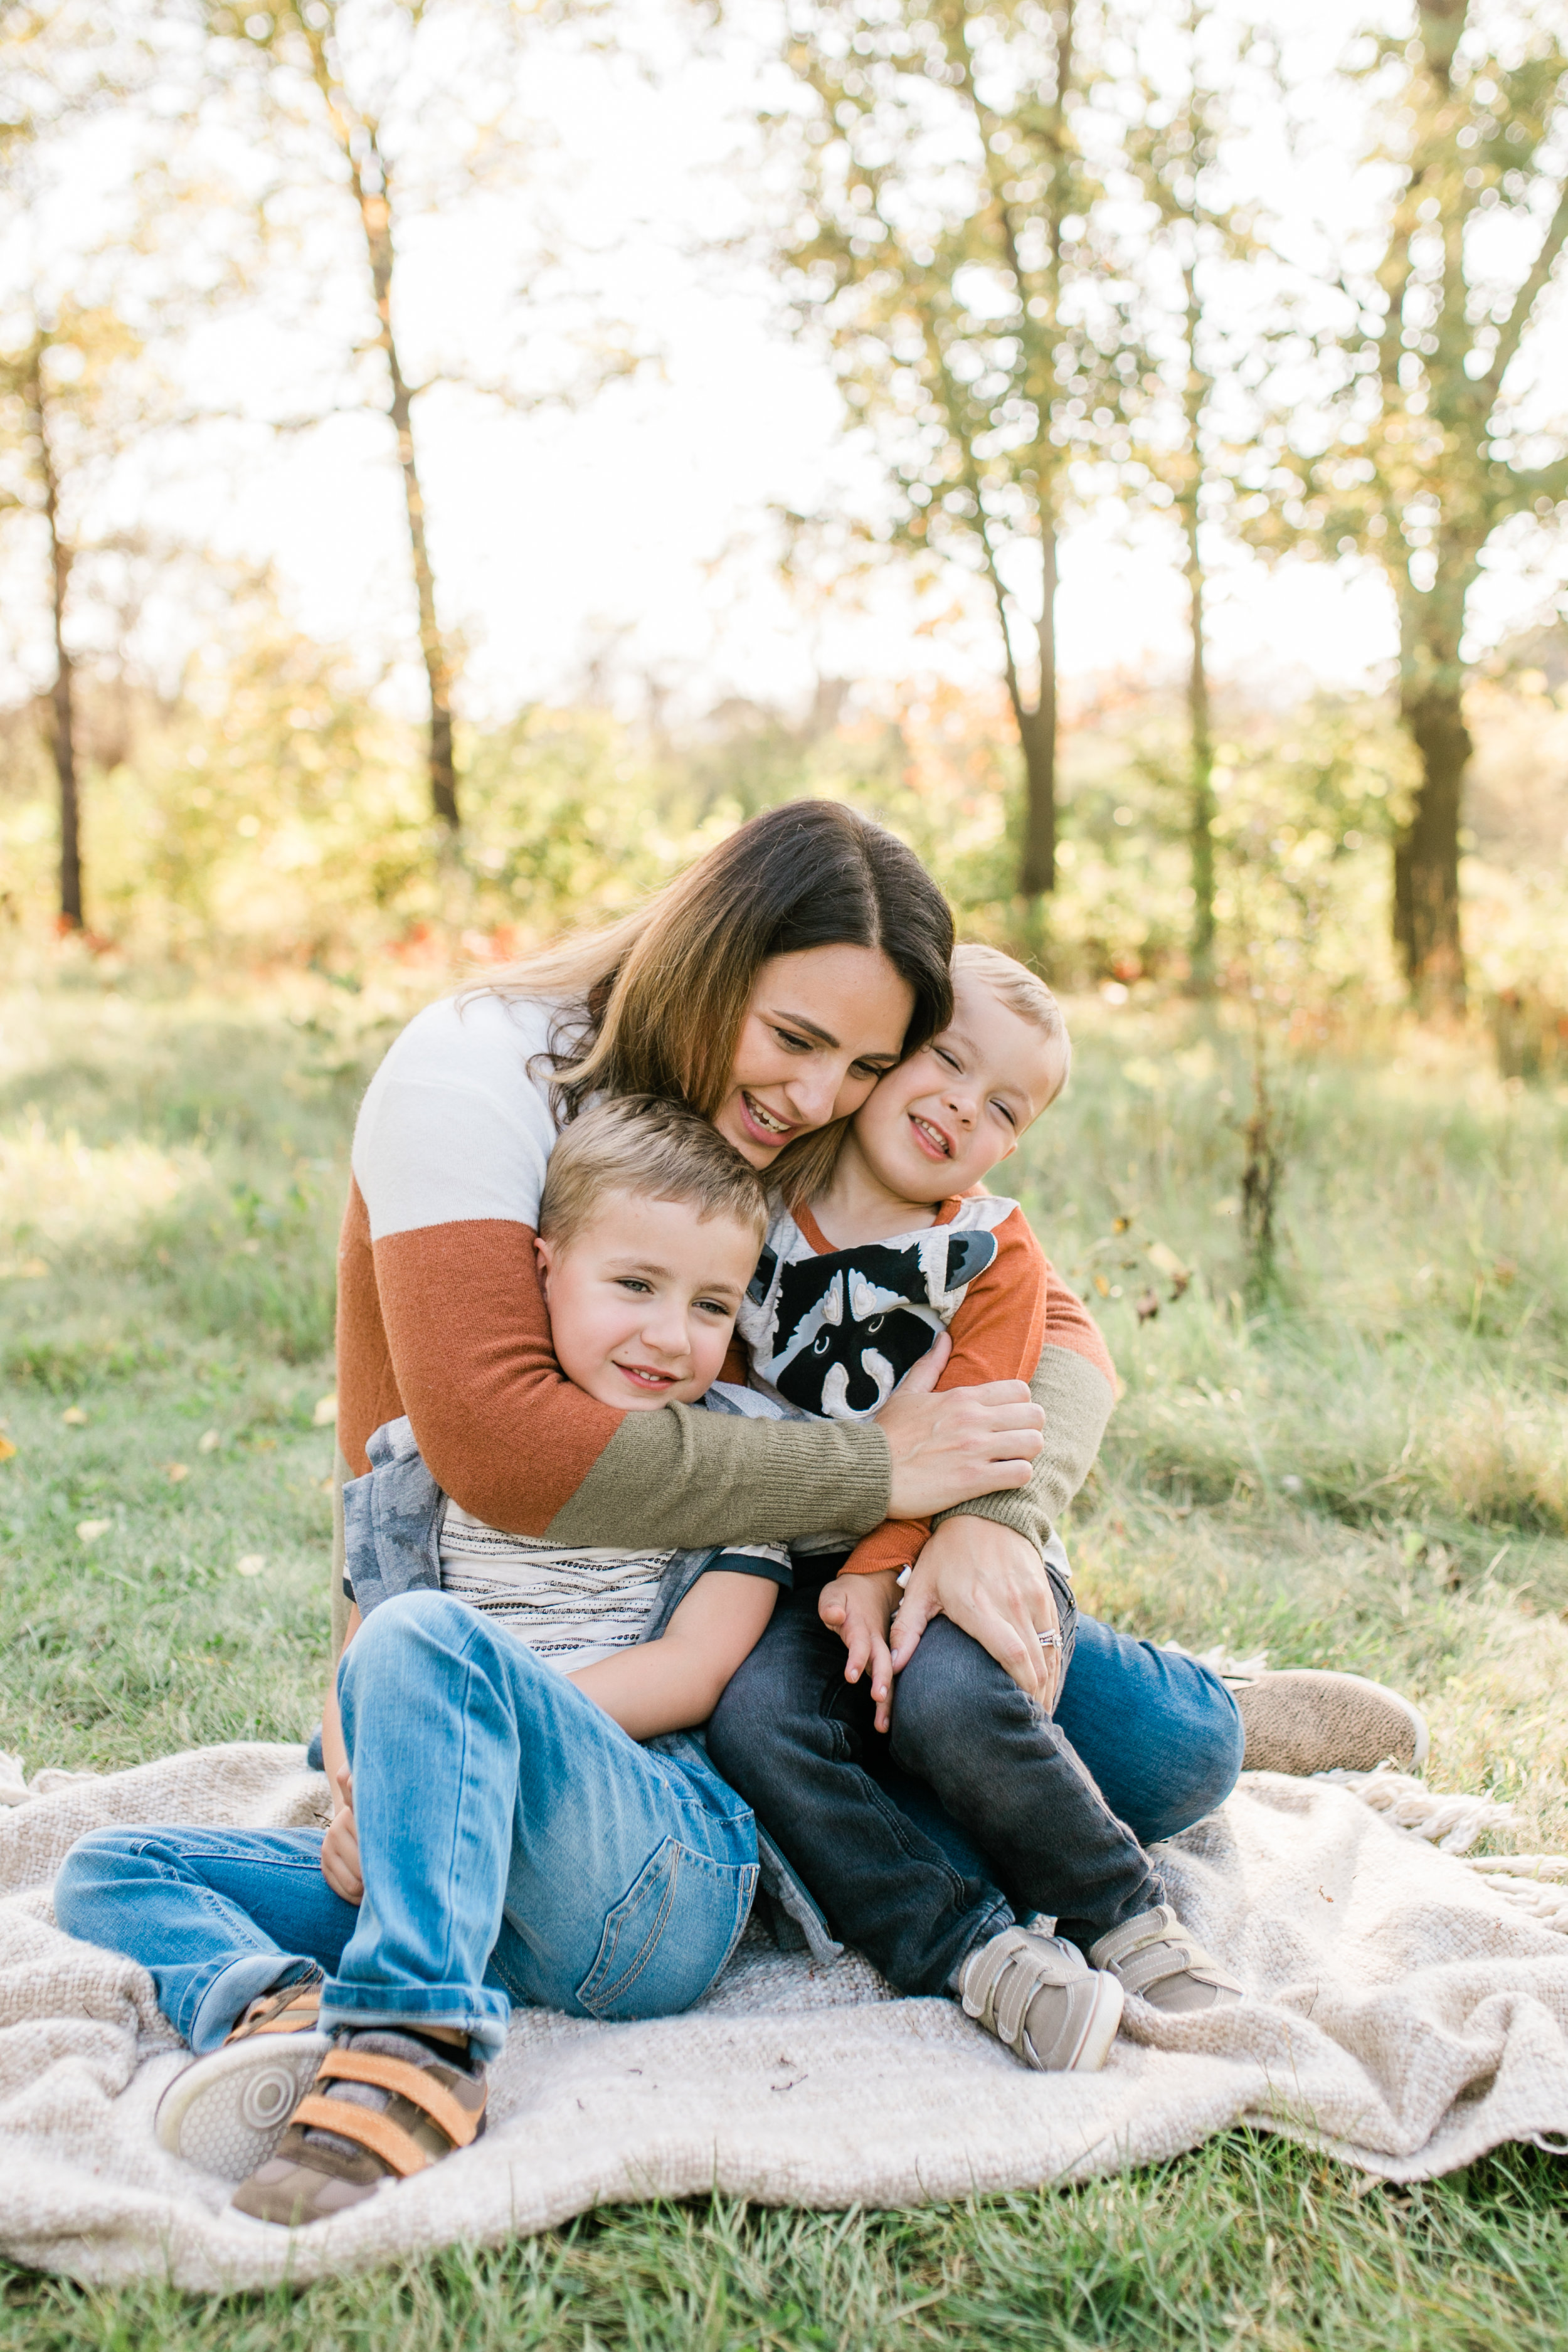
<point>1401,2012</point>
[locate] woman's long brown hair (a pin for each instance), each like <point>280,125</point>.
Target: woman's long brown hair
<point>654,1004</point>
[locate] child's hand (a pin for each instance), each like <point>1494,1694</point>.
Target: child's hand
<point>340,1847</point>
<point>860,1609</point>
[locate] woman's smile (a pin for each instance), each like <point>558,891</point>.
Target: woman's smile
<point>763,1125</point>
<point>822,1025</point>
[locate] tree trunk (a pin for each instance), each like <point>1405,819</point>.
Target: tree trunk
<point>1037,737</point>
<point>376,213</point>
<point>1200,815</point>
<point>62,694</point>
<point>1426,851</point>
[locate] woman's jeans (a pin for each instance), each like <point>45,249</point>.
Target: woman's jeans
<point>979,1808</point>
<point>516,1845</point>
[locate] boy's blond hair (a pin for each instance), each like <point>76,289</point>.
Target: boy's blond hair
<point>655,1150</point>
<point>1023,991</point>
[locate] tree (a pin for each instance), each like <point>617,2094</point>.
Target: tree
<point>1447,434</point>
<point>64,413</point>
<point>402,107</point>
<point>63,366</point>
<point>1176,152</point>
<point>955,250</point>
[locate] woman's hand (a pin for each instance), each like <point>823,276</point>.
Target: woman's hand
<point>948,1449</point>
<point>990,1580</point>
<point>340,1847</point>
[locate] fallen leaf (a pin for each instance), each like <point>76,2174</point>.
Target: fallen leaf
<point>1165,1261</point>
<point>74,1417</point>
<point>251,1565</point>
<point>1101,1284</point>
<point>6,1449</point>
<point>1120,1225</point>
<point>175,1471</point>
<point>208,1442</point>
<point>90,1530</point>
<point>1148,1306</point>
<point>326,1412</point>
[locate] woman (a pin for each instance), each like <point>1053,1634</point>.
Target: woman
<point>769,987</point>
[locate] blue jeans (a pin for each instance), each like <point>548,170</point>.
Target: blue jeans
<point>516,1845</point>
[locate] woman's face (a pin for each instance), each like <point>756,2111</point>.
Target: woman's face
<point>821,1028</point>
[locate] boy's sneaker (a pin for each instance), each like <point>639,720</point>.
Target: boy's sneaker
<point>1306,1720</point>
<point>1154,1957</point>
<point>387,2104</point>
<point>1040,1997</point>
<point>227,2112</point>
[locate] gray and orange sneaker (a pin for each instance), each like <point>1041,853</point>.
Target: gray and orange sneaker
<point>228,2111</point>
<point>384,2105</point>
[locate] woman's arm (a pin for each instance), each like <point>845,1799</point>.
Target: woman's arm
<point>440,1318</point>
<point>673,1683</point>
<point>1074,1386</point>
<point>449,1326</point>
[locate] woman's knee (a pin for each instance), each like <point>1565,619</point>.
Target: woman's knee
<point>1202,1774</point>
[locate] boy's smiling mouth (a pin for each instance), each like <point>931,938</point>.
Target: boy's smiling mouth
<point>931,1139</point>
<point>644,1376</point>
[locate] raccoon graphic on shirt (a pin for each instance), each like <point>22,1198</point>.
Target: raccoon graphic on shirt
<point>831,1332</point>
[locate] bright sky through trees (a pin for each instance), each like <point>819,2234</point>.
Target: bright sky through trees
<point>643,521</point>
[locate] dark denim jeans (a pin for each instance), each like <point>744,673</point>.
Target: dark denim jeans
<point>978,1808</point>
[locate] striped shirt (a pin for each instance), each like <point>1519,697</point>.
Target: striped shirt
<point>573,1607</point>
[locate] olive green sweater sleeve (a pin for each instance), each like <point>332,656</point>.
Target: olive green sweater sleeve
<point>683,1477</point>
<point>1074,1386</point>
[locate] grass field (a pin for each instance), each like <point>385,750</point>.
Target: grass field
<point>1368,1467</point>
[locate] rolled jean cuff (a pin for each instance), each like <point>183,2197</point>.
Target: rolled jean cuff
<point>231,1992</point>
<point>483,2016</point>
<point>994,1919</point>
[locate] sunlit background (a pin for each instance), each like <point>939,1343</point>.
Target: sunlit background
<point>672,569</point>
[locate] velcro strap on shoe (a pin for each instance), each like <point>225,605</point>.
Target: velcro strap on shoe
<point>406,2081</point>
<point>1019,1984</point>
<point>292,2020</point>
<point>289,2010</point>
<point>1003,1978</point>
<point>398,2151</point>
<point>1147,1949</point>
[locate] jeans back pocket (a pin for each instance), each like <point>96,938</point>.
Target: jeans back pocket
<point>669,1935</point>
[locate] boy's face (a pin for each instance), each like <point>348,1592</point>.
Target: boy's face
<point>942,1121</point>
<point>642,1299</point>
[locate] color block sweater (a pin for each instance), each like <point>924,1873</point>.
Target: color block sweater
<point>440,1317</point>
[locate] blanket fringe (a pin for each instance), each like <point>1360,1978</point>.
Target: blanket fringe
<point>1452,1822</point>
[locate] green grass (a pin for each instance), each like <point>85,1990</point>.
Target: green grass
<point>1367,1469</point>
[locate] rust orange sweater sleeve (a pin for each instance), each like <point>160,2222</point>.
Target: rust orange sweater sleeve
<point>997,1335</point>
